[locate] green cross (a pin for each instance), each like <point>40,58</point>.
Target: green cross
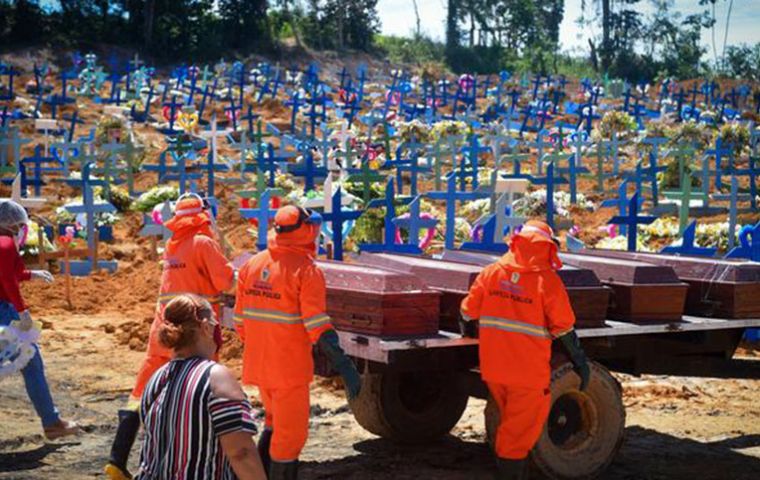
<point>684,196</point>
<point>367,177</point>
<point>130,155</point>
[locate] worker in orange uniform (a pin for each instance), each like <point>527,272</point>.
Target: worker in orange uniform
<point>193,262</point>
<point>522,305</point>
<point>280,313</point>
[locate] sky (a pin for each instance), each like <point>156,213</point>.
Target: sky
<point>397,17</point>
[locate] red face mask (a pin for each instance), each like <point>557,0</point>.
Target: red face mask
<point>21,236</point>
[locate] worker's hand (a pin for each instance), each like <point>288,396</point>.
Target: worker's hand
<point>25,321</point>
<point>330,345</point>
<point>584,371</point>
<point>43,275</point>
<point>572,345</point>
<point>352,379</point>
<point>468,329</point>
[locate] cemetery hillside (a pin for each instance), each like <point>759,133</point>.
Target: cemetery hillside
<point>631,145</point>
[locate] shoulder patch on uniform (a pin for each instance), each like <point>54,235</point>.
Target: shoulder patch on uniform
<point>515,277</point>
<point>265,274</point>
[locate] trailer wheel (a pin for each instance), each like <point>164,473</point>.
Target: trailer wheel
<point>409,407</point>
<point>585,429</point>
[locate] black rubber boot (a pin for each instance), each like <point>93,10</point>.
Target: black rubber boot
<point>283,470</point>
<point>511,469</point>
<point>126,434</point>
<point>263,446</point>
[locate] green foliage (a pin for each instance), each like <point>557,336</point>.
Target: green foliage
<point>743,61</point>
<point>155,196</point>
<point>410,50</point>
<point>339,24</point>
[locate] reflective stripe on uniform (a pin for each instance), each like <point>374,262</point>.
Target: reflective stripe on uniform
<point>272,316</point>
<point>466,317</point>
<point>514,326</point>
<point>316,321</point>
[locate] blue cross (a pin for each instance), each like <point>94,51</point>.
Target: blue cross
<point>389,228</point>
<point>295,103</point>
<point>37,160</point>
<point>487,244</point>
<point>451,196</point>
<point>337,217</point>
<point>263,214</point>
<point>549,180</point>
<point>411,165</point>
<point>752,172</point>
<point>308,170</point>
<point>687,245</point>
<point>10,72</point>
<point>90,208</point>
<point>472,151</point>
<point>719,152</point>
<point>632,220</point>
<point>749,239</point>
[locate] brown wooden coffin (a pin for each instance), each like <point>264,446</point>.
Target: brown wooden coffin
<point>369,300</point>
<point>588,297</point>
<point>642,292</point>
<point>381,302</point>
<point>719,288</point>
<point>452,279</point>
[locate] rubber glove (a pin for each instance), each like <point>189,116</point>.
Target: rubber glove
<point>572,344</point>
<point>25,321</point>
<point>468,329</point>
<point>330,345</point>
<point>43,275</point>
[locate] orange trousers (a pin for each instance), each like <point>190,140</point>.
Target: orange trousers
<point>149,366</point>
<point>523,414</point>
<point>287,415</point>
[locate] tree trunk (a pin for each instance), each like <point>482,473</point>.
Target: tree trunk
<point>148,14</point>
<point>418,29</point>
<point>452,29</point>
<point>606,49</point>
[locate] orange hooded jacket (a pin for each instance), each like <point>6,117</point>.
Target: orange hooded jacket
<point>193,262</point>
<point>522,305</point>
<point>280,310</point>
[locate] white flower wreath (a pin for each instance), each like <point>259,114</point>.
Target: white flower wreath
<point>16,347</point>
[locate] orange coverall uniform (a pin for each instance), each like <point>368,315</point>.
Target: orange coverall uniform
<point>192,263</point>
<point>280,313</point>
<point>522,305</point>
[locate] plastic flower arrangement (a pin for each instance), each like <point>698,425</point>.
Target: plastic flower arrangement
<point>698,135</point>
<point>736,135</point>
<point>447,128</point>
<point>620,242</point>
<point>534,204</point>
<point>156,195</point>
<point>32,246</point>
<point>615,123</point>
<point>414,130</point>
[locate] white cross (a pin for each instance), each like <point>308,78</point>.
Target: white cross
<point>212,134</point>
<point>26,202</point>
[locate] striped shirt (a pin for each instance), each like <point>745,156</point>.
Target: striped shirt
<point>183,423</point>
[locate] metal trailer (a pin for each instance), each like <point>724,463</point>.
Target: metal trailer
<point>416,389</point>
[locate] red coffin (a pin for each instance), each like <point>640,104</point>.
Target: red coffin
<point>642,292</point>
<point>721,288</point>
<point>588,296</point>
<point>374,301</point>
<point>452,279</point>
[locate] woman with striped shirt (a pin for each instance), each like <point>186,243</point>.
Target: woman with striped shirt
<point>193,263</point>
<point>197,420</point>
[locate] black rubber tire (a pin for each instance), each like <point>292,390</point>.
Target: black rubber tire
<point>413,407</point>
<point>602,416</point>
